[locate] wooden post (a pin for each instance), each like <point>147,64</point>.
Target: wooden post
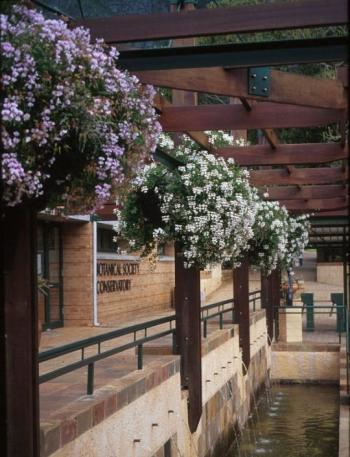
<point>274,281</point>
<point>266,303</point>
<point>188,334</point>
<point>241,300</point>
<point>187,295</point>
<point>19,334</point>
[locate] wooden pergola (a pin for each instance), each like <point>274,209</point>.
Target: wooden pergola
<point>303,177</point>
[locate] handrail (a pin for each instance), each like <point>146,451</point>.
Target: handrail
<point>137,342</point>
<point>256,297</point>
<point>76,345</point>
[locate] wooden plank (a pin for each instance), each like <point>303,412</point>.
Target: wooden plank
<point>315,204</point>
<point>188,334</point>
<point>237,55</point>
<point>284,87</point>
<point>306,192</point>
<point>285,154</point>
<point>20,370</point>
<point>241,305</point>
<point>269,134</point>
<point>219,21</point>
<point>199,137</point>
<point>335,213</point>
<point>300,176</point>
<point>271,137</point>
<point>264,115</point>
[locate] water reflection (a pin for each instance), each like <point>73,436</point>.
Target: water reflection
<point>300,421</point>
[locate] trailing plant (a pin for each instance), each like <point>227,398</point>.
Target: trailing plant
<point>270,239</point>
<point>205,204</point>
<point>297,239</point>
<point>74,126</point>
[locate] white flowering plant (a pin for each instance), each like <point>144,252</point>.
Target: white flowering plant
<point>269,243</point>
<point>206,205</point>
<point>297,239</point>
<point>73,124</point>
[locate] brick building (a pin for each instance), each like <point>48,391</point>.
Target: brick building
<point>89,283</point>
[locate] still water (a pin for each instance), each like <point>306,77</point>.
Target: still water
<point>292,421</point>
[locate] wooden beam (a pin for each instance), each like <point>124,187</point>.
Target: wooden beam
<point>274,284</point>
<point>188,334</point>
<point>306,192</point>
<point>315,204</point>
<point>19,374</point>
<point>266,304</point>
<point>241,305</point>
<point>335,213</point>
<point>284,87</point>
<point>199,137</point>
<point>299,176</point>
<point>220,21</point>
<point>264,115</point>
<point>285,154</point>
<point>269,134</point>
<point>237,55</point>
<point>271,137</point>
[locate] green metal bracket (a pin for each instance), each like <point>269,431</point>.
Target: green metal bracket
<point>259,79</point>
<point>338,300</point>
<point>308,301</point>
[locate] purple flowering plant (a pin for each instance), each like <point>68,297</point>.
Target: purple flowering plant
<point>74,127</point>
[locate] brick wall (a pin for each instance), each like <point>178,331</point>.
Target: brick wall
<point>77,274</point>
<point>148,291</point>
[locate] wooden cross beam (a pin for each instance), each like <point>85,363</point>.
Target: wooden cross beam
<point>285,154</point>
<point>300,176</point>
<point>284,87</point>
<point>219,21</point>
<point>237,55</point>
<point>315,204</point>
<point>199,137</point>
<point>264,115</point>
<point>307,192</point>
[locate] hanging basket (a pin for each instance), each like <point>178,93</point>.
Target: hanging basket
<point>149,204</point>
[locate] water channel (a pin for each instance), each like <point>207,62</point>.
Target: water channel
<point>292,421</point>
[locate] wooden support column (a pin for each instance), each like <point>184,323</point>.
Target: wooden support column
<point>274,284</point>
<point>188,334</point>
<point>266,303</point>
<point>19,369</point>
<point>241,301</point>
<point>188,295</point>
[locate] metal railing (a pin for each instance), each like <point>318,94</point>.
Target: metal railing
<point>94,344</point>
<point>205,316</point>
<point>255,297</point>
<point>96,341</point>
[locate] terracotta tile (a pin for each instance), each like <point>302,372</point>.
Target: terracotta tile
<point>68,431</point>
<point>49,437</point>
<point>98,412</point>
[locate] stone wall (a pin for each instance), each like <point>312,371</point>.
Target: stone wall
<point>145,413</point>
<point>210,281</point>
<point>305,362</point>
